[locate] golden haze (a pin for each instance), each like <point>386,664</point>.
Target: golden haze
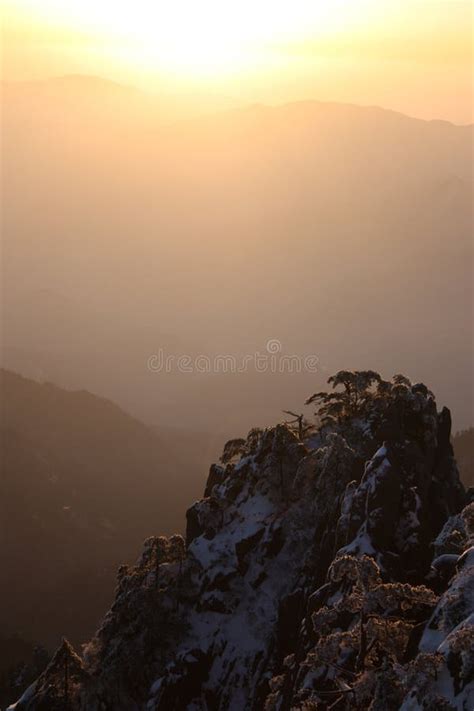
<point>412,55</point>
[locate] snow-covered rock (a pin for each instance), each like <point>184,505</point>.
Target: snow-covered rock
<point>310,577</point>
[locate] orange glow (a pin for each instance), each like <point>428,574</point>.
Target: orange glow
<point>260,50</point>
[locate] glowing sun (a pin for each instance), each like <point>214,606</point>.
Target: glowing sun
<point>196,36</point>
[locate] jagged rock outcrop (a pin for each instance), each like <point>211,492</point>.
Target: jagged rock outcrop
<point>59,684</point>
<point>316,574</point>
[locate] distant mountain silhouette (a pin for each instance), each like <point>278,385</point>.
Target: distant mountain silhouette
<point>215,234</point>
<point>83,484</point>
<point>75,97</point>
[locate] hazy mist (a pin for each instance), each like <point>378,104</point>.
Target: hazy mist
<point>132,226</point>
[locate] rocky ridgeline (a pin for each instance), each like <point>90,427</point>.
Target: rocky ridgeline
<point>327,571</point>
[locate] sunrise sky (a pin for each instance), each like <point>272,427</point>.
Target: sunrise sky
<point>411,55</point>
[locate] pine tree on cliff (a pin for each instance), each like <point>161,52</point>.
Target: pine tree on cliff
<point>299,423</point>
<point>358,392</point>
<point>55,687</point>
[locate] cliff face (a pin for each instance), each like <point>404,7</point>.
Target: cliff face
<point>332,572</point>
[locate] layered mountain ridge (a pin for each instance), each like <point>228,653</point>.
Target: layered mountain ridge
<point>325,568</point>
<point>80,490</point>
<point>264,188</point>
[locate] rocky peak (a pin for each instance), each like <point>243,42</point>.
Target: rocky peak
<point>311,574</point>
